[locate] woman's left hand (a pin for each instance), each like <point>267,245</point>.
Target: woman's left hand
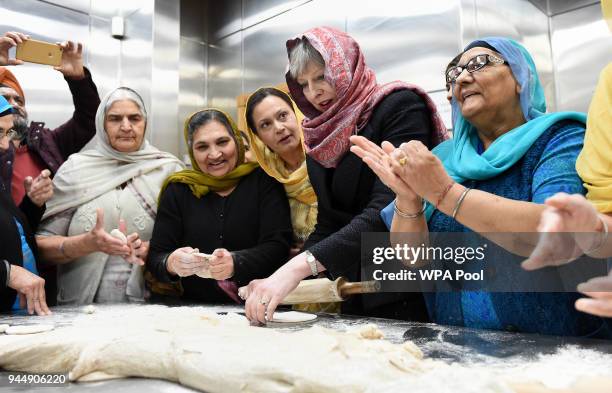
<point>423,171</point>
<point>221,264</point>
<point>263,296</point>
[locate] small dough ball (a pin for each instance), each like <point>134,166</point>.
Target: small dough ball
<point>119,235</point>
<point>3,327</point>
<point>90,309</point>
<point>370,332</point>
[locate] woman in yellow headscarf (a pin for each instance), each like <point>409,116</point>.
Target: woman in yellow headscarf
<point>277,142</point>
<point>221,224</point>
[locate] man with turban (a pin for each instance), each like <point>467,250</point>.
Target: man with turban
<point>35,147</point>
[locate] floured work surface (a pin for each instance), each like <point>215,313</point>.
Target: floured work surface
<point>198,348</point>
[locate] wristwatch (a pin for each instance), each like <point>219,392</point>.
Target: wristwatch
<point>312,263</point>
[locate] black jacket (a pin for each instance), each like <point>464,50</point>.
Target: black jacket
<point>10,242</point>
<point>253,223</point>
<point>350,199</point>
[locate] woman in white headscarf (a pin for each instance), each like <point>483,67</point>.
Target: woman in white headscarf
<point>113,186</point>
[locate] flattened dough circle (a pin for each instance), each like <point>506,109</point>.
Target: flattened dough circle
<point>293,317</point>
<point>29,329</point>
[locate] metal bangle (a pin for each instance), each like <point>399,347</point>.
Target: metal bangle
<point>408,215</point>
<point>460,201</point>
<point>604,236</point>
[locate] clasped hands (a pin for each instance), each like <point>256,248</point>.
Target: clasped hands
<point>187,261</point>
<point>410,170</point>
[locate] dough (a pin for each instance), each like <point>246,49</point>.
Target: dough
<point>28,329</point>
<point>89,309</point>
<point>119,235</point>
<point>3,327</point>
<point>292,317</point>
<point>205,272</point>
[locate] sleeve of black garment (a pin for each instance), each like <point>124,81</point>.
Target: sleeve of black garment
<point>32,212</point>
<point>275,232</point>
<point>76,132</point>
<point>405,117</point>
<point>167,232</point>
<point>3,274</point>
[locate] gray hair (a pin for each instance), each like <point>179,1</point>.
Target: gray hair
<point>125,93</point>
<point>301,55</point>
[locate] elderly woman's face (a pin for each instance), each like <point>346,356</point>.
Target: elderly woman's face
<point>125,126</point>
<point>489,89</point>
<point>320,93</point>
<point>214,149</point>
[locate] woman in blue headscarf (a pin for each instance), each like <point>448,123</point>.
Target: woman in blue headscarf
<point>506,157</point>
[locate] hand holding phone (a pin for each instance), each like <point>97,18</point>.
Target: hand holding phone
<point>8,41</point>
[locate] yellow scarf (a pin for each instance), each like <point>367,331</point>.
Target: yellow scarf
<point>594,164</point>
<point>302,198</point>
<point>199,182</point>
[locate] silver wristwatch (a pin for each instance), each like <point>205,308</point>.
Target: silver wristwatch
<point>312,263</point>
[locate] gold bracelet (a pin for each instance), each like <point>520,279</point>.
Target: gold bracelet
<point>408,215</point>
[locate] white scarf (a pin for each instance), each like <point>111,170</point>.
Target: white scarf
<point>85,178</point>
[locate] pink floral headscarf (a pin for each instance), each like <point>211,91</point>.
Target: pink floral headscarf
<point>326,134</point>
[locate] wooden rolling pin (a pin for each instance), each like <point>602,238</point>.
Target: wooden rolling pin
<point>322,290</point>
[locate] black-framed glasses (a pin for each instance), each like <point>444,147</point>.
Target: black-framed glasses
<point>474,64</point>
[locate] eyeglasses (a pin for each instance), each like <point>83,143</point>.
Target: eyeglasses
<point>10,134</point>
<point>474,64</point>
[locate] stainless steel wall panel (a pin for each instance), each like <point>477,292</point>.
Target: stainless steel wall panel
<point>225,73</point>
<point>165,76</point>
<point>110,8</point>
<point>256,11</point>
<point>192,83</point>
<point>194,25</point>
<point>582,46</point>
<point>136,56</point>
<point>410,41</point>
<point>77,5</point>
<point>555,7</point>
<point>103,55</point>
<point>523,21</point>
<point>49,23</point>
<point>224,19</point>
<point>265,56</point>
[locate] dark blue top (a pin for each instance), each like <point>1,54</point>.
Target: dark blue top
<point>548,167</point>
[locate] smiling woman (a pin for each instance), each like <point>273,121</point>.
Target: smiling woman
<point>223,207</point>
<point>507,156</point>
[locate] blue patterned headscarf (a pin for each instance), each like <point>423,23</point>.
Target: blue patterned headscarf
<point>460,156</point>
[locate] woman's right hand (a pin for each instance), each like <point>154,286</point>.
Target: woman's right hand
<point>183,262</point>
<point>383,160</point>
<point>102,241</point>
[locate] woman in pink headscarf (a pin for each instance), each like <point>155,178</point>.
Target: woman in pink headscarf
<point>337,92</point>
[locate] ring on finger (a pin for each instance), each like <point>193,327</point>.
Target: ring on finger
<point>264,301</point>
<point>402,161</point>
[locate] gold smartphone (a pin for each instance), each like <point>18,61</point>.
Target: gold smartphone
<point>34,51</point>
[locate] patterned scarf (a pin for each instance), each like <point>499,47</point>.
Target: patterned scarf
<point>326,135</point>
